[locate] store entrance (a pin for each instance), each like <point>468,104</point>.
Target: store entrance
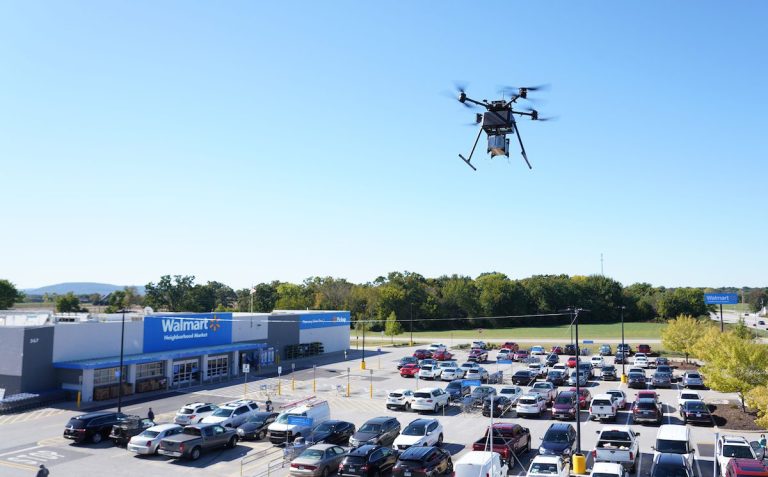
<point>185,372</point>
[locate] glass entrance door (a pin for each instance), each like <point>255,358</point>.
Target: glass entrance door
<point>185,372</point>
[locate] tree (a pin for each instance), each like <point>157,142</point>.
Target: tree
<point>68,303</point>
<point>132,296</point>
<point>293,297</point>
<point>116,301</point>
<point>742,331</point>
<point>170,295</point>
<point>758,399</point>
<point>757,299</point>
<point>736,365</point>
<point>9,294</point>
<point>682,334</point>
<point>392,326</point>
<point>682,301</point>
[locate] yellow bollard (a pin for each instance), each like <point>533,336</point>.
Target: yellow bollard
<point>371,390</point>
<point>579,464</point>
<point>314,386</point>
<point>348,390</point>
<point>624,379</point>
<point>78,399</point>
<point>362,364</point>
<point>293,383</point>
<point>279,388</point>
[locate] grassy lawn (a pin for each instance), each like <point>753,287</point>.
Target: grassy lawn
<point>558,333</point>
<point>740,308</point>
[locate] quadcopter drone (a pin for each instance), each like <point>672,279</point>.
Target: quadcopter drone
<point>499,120</point>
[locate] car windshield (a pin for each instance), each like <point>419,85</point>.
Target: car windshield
<point>608,367</point>
<point>313,454</point>
<point>221,412</point>
<point>453,386</point>
<point>669,471</point>
<point>150,434</point>
<point>671,447</point>
<point>424,395</point>
<point>694,376</point>
<point>697,406</point>
<point>257,419</point>
<point>415,430</point>
<point>283,418</point>
<point>324,427</point>
<point>739,452</point>
<point>369,427</point>
<point>564,399</point>
<point>76,423</point>
<point>543,468</point>
<point>646,405</point>
<point>556,436</point>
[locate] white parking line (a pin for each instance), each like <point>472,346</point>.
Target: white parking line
<point>20,450</point>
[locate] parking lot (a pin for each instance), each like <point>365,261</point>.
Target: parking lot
<point>35,437</point>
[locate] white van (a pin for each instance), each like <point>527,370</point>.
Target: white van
<point>674,439</point>
<point>281,431</point>
<point>486,464</point>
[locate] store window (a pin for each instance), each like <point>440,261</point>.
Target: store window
<point>150,370</point>
<point>106,376</point>
<point>218,366</point>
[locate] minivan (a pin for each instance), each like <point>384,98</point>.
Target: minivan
<point>674,439</point>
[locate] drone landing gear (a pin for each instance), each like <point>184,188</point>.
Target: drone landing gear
<point>479,133</point>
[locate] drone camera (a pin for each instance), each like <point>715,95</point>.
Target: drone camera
<point>498,145</point>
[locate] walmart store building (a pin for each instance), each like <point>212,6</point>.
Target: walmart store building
<point>81,352</point>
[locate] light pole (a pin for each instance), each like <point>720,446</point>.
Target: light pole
<point>411,343</point>
<point>621,310</point>
<point>575,324</point>
<point>120,369</point>
<point>362,363</point>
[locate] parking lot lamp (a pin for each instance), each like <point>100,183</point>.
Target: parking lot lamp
<point>120,369</point>
<point>621,310</point>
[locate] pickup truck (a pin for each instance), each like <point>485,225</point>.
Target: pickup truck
<point>546,390</point>
<point>604,469</point>
<point>617,445</point>
<point>603,408</point>
<point>128,427</point>
<point>508,439</point>
<point>197,438</point>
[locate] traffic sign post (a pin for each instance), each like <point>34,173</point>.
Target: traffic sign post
<point>721,299</point>
<point>246,370</point>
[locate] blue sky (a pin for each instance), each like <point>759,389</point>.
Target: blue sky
<point>253,141</point>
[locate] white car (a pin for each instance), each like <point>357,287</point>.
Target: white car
<point>548,466</point>
<point>504,353</point>
<point>607,469</point>
<point>421,432</point>
<point>546,389</point>
<point>194,412</point>
<point>537,350</point>
<point>619,397</point>
<point>597,361</point>
<point>732,447</point>
<point>437,347</point>
<point>428,371</point>
<point>233,414</point>
<point>449,374</point>
<point>148,441</point>
<point>469,365</point>
<point>641,360</point>
<point>686,395</point>
<point>429,399</point>
<point>400,399</point>
<point>538,368</point>
<point>511,392</point>
<point>477,373</point>
<point>478,344</point>
<point>560,367</point>
<point>447,364</point>
<point>531,405</point>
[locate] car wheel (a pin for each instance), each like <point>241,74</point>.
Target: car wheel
<point>96,438</point>
<point>407,407</point>
<point>232,442</point>
<point>376,473</point>
<point>434,409</point>
<point>195,454</point>
<point>262,435</point>
<point>325,472</point>
<point>439,440</point>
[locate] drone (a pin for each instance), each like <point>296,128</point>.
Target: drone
<point>499,120</point>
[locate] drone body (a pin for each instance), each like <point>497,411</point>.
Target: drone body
<point>498,121</point>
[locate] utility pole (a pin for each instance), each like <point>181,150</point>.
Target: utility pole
<point>120,369</point>
<point>621,308</point>
<point>411,343</point>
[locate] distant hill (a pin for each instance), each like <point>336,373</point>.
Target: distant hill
<point>79,288</point>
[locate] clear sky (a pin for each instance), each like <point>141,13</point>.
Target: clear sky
<point>252,141</point>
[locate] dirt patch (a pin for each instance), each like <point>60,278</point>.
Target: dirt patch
<point>730,416</point>
<point>683,366</point>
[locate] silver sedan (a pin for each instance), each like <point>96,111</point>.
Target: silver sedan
<point>319,460</point>
<point>148,441</point>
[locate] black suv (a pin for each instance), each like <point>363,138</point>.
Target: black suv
<point>570,349</point>
<point>608,373</point>
<point>423,462</point>
<point>379,430</point>
<point>560,439</point>
<point>367,461</point>
<point>457,390</point>
<point>332,432</point>
<point>93,426</point>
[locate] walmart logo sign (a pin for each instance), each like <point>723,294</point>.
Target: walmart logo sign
<point>172,332</point>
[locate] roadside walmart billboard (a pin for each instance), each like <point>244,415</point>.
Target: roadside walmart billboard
<point>182,331</point>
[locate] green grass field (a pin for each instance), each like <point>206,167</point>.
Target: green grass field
<point>562,332</point>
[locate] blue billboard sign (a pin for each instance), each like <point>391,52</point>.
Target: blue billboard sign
<point>721,298</point>
<point>300,421</point>
<point>183,331</point>
<point>324,320</point>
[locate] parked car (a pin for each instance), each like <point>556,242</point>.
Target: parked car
<point>449,374</point>
<point>556,377</point>
<point>423,462</point>
<point>127,427</point>
<point>624,348</point>
<point>407,360</point>
<point>660,379</point>
<point>429,399</point>
<point>469,365</point>
<point>479,345</point>
<point>662,361</point>
<point>686,395</point>
<point>400,399</point>
<point>560,439</point>
<point>478,463</point>
<point>581,376</point>
<point>478,355</point>
<point>665,465</point>
<point>597,361</point>
<point>507,439</point>
<point>541,371</point>
<point>422,354</point>
<point>148,441</point>
<point>427,371</point>
<point>647,394</point>
<point>255,427</point>
<point>551,359</point>
<point>605,350</point>
<point>732,447</point>
<point>746,467</point>
<point>565,406</point>
<point>618,397</point>
<point>500,405</point>
<point>674,439</point>
<point>524,377</point>
<point>548,466</point>
<point>197,438</point>
<point>556,349</point>
<point>409,370</point>
<point>510,345</point>
<point>636,380</point>
<point>282,431</point>
<point>521,355</point>
<point>603,408</point>
<point>477,374</point>
<point>512,393</point>
<point>531,405</point>
<point>692,380</point>
<point>427,362</point>
<point>367,461</point>
<point>644,348</point>
<point>584,397</point>
<point>331,432</point>
<point>571,362</point>
<point>232,414</point>
<point>537,350</point>
<point>696,412</point>
<point>457,390</point>
<point>420,432</point>
<point>607,469</point>
<point>569,349</point>
<point>92,426</point>
<point>641,360</point>
<point>442,355</point>
<point>646,410</point>
<point>617,445</point>
<point>547,390</point>
<point>608,373</point>
<point>620,358</point>
<point>318,460</point>
<point>377,431</point>
<point>194,413</point>
<point>504,354</point>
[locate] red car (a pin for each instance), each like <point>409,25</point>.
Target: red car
<point>521,355</point>
<point>571,362</point>
<point>585,397</point>
<point>745,468</point>
<point>409,370</point>
<point>422,354</point>
<point>644,348</point>
<point>442,355</point>
<point>556,350</point>
<point>647,395</point>
<point>510,345</point>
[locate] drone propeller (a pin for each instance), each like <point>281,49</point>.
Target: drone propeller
<point>535,115</point>
<point>523,91</point>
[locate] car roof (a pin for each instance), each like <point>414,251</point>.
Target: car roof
<point>92,415</point>
<point>198,404</point>
<point>379,419</point>
<point>323,446</point>
<point>602,396</point>
<point>671,459</point>
<point>426,390</point>
<point>163,427</point>
<point>673,432</point>
<point>479,458</point>
<point>731,439</point>
<point>422,421</point>
<point>749,466</point>
<point>549,459</point>
<point>416,452</point>
<point>402,390</point>
<point>560,426</point>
